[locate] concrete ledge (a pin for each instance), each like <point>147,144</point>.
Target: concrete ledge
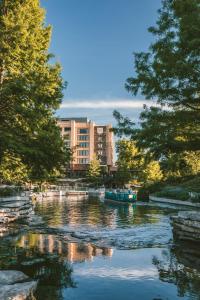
<point>14,198</point>
<point>53,194</point>
<point>173,201</point>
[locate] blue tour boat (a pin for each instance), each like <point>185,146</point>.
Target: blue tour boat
<point>121,196</point>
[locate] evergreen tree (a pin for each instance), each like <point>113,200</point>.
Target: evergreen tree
<point>30,88</point>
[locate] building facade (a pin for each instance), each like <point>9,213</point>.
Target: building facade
<point>87,140</point>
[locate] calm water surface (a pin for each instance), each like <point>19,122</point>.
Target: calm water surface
<point>100,251</point>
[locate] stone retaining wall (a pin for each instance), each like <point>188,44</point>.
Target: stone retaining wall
<point>186,226</point>
<point>15,208</point>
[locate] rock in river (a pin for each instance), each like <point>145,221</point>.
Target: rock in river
<point>15,208</point>
<point>15,285</point>
<point>186,226</point>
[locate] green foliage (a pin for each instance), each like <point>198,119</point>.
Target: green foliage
<point>12,169</point>
<point>129,162</point>
<point>173,193</point>
<point>152,172</point>
<point>169,72</point>
<point>30,89</point>
<point>181,165</point>
<point>192,160</point>
<point>134,165</point>
<point>192,185</point>
<point>94,171</point>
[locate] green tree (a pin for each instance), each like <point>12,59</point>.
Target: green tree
<point>135,165</point>
<point>181,165</point>
<point>12,170</point>
<point>30,88</point>
<point>170,70</point>
<point>94,171</point>
<point>129,162</point>
<point>169,73</point>
<point>152,172</point>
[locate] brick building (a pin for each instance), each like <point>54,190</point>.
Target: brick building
<point>87,139</point>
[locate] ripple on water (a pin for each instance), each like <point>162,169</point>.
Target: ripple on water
<point>104,224</point>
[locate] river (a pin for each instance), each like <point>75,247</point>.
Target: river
<point>89,249</point>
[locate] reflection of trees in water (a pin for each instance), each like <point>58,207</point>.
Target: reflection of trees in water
<point>46,258</point>
<point>52,271</point>
<point>92,211</point>
<point>54,274</point>
<point>181,266</point>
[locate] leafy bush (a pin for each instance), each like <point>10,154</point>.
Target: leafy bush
<point>193,185</point>
<point>173,193</point>
<point>146,190</point>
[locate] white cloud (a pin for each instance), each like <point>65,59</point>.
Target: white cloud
<point>106,103</point>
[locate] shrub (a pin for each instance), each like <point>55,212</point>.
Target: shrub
<point>193,185</point>
<point>146,190</point>
<point>173,193</point>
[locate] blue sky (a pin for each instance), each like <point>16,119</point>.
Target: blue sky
<point>94,41</point>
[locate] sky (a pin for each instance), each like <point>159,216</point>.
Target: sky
<point>94,40</point>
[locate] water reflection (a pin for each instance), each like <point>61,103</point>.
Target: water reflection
<point>69,270</point>
<point>94,213</point>
<point>72,252</point>
<point>181,266</point>
<point>49,260</point>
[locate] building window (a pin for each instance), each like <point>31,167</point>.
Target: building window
<point>83,161</point>
<point>100,145</point>
<point>99,130</point>
<point>66,129</point>
<point>83,137</point>
<point>100,139</point>
<point>83,152</point>
<point>83,130</point>
<point>100,152</point>
<point>83,145</point>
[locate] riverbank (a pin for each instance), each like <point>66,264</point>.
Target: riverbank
<point>173,201</point>
<point>15,208</point>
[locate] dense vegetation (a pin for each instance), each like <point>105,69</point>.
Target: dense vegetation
<point>30,91</point>
<point>169,73</point>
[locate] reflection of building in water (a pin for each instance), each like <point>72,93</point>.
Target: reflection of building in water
<point>73,252</point>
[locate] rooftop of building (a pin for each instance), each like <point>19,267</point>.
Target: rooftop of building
<point>78,120</point>
<point>82,120</point>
